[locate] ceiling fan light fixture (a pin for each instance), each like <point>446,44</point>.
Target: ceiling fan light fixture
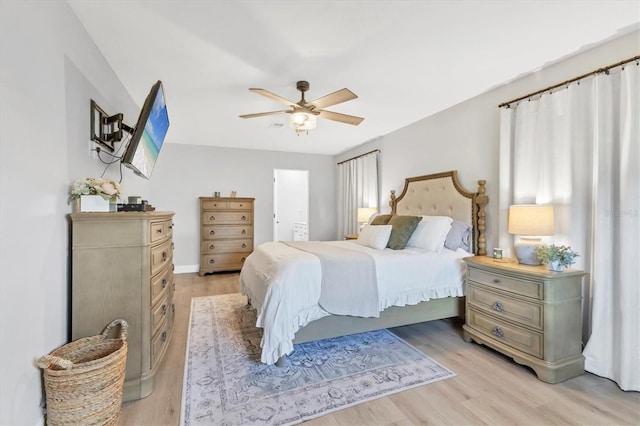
<point>302,121</point>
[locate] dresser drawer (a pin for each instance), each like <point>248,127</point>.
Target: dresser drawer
<point>161,255</point>
<point>240,205</point>
<point>520,338</point>
<point>223,260</point>
<point>533,289</point>
<point>214,205</point>
<point>211,232</point>
<point>160,283</point>
<point>224,246</point>
<point>159,313</point>
<point>529,314</point>
<point>161,230</point>
<point>159,341</point>
<point>226,218</point>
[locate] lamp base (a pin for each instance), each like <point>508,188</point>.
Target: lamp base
<point>526,250</point>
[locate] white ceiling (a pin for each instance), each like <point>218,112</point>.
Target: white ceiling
<point>404,59</point>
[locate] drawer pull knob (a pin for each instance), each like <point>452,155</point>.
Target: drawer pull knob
<point>244,245</point>
<point>212,218</point>
<point>212,232</point>
<point>496,281</point>
<point>242,260</point>
<point>164,256</point>
<point>497,306</point>
<point>164,309</point>
<point>497,331</point>
<point>211,247</point>
<point>163,336</point>
<point>211,261</point>
<point>243,232</point>
<point>164,282</point>
<point>244,217</point>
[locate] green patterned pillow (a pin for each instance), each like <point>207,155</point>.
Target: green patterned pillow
<point>381,219</point>
<point>402,228</point>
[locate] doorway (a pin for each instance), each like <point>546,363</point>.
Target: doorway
<point>290,205</point>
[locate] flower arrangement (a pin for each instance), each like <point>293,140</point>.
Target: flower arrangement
<point>557,256</point>
<point>107,189</point>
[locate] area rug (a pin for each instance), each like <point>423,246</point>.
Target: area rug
<point>225,383</point>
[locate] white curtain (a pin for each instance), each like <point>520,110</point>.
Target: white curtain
<point>357,187</point>
<point>578,149</point>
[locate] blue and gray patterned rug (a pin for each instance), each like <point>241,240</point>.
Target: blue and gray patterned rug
<point>225,383</point>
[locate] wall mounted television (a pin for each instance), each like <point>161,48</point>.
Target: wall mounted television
<point>149,134</point>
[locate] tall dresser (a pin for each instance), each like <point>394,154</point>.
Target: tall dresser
<point>122,267</point>
<point>226,233</point>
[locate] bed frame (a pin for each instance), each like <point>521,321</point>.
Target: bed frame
<point>438,194</point>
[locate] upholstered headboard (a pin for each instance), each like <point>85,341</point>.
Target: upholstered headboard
<point>441,194</point>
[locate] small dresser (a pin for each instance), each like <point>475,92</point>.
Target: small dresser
<point>528,313</point>
<point>122,267</point>
<point>226,233</point>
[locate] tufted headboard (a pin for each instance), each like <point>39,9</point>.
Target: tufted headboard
<point>441,194</point>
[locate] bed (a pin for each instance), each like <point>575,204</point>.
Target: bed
<point>287,282</point>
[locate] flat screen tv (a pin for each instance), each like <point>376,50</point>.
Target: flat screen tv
<point>148,134</point>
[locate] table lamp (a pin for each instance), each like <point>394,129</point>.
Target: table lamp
<point>530,222</point>
<point>364,213</point>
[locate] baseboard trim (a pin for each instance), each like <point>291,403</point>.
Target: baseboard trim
<point>186,269</point>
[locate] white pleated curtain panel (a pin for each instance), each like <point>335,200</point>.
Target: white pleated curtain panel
<point>579,149</point>
<point>357,187</point>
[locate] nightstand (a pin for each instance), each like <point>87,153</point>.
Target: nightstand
<point>528,313</point>
<point>351,237</point>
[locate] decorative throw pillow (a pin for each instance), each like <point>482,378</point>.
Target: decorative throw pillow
<point>374,236</point>
<point>431,233</point>
<point>459,236</point>
<point>380,219</point>
<point>403,227</point>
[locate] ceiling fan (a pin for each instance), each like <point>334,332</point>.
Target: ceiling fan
<point>304,114</point>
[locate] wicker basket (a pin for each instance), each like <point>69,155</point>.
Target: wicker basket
<point>83,379</point>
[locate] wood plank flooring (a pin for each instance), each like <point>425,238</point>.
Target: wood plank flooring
<point>489,388</point>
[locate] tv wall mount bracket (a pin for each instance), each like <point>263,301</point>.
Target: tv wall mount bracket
<point>106,129</point>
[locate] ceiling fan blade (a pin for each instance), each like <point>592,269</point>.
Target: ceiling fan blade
<point>334,98</point>
<point>275,97</point>
<point>262,114</point>
<point>343,118</point>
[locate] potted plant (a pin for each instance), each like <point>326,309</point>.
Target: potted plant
<point>558,257</point>
<point>96,194</point>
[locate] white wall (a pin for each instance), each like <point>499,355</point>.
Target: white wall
<point>49,69</point>
<point>185,172</point>
<point>465,137</point>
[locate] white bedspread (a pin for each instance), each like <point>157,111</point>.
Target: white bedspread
<point>284,285</point>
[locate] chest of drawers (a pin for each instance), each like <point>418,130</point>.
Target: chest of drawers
<point>526,312</point>
<point>122,267</point>
<point>226,233</point>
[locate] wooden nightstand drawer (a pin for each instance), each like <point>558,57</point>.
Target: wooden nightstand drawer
<point>159,284</point>
<point>214,205</point>
<point>226,218</point>
<point>223,260</point>
<point>517,337</point>
<point>160,255</point>
<point>522,312</point>
<point>533,289</point>
<point>240,205</point>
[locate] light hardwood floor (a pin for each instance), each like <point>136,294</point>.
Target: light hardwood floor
<point>489,388</point>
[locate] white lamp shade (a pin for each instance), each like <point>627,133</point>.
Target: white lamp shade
<point>531,219</point>
<point>364,213</point>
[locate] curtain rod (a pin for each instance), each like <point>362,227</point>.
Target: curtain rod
<point>564,83</point>
<point>358,156</point>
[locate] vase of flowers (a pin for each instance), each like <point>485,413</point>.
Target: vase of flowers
<point>558,257</point>
<point>93,195</point>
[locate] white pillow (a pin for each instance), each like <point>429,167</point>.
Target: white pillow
<point>431,233</point>
<point>374,236</point>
